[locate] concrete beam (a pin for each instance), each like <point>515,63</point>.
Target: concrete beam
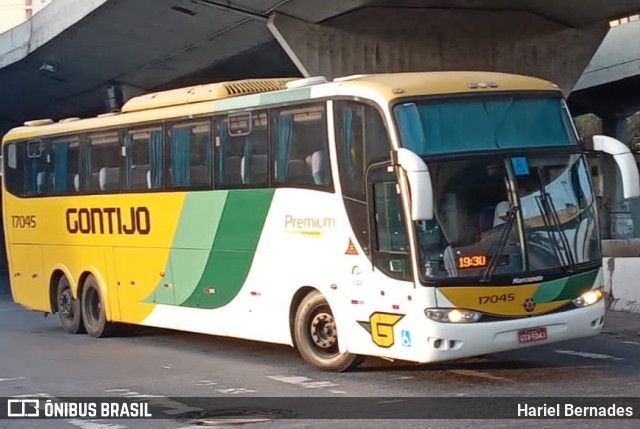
<point>24,39</point>
<point>380,40</point>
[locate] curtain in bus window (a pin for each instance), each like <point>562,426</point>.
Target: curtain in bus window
<point>482,124</point>
<point>155,158</point>
<point>60,167</point>
<point>410,126</point>
<point>180,156</point>
<point>284,125</point>
<point>246,155</point>
<point>86,175</point>
<point>32,177</point>
<point>128,144</point>
<point>347,123</point>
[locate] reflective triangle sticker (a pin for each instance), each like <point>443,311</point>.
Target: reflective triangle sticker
<point>351,249</point>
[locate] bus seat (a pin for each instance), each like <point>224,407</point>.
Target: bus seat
<point>232,174</point>
<point>139,176</point>
<point>198,176</point>
<point>317,163</point>
<point>109,178</point>
<point>258,169</point>
<point>298,172</point>
<point>486,218</point>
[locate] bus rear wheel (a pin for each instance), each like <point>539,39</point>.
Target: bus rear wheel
<point>68,308</point>
<point>93,313</point>
<point>316,336</point>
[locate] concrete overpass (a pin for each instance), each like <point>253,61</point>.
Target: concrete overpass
<point>610,85</point>
<point>59,63</point>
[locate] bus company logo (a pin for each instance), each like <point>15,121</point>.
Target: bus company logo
<point>380,326</point>
<point>529,305</point>
<point>108,220</point>
<point>23,408</point>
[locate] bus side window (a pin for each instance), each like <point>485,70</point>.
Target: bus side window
<point>102,160</point>
<point>391,250</point>
<point>15,173</point>
<point>242,150</point>
<point>65,157</point>
<point>189,163</point>
<point>300,146</point>
<point>144,158</point>
<point>37,171</point>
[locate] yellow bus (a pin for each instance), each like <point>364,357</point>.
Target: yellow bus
<point>415,216</point>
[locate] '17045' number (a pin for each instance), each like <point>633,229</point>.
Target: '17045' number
<point>20,221</point>
<point>494,299</point>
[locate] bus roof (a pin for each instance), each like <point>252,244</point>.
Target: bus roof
<point>249,93</point>
<point>396,85</point>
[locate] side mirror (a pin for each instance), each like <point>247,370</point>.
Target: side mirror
<point>624,160</point>
<point>419,183</point>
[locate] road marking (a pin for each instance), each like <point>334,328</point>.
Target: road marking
<point>306,382</point>
<point>235,390</point>
<point>11,379</point>
<point>588,355</point>
<point>479,374</point>
<point>94,424</point>
<point>631,342</point>
<point>169,406</point>
<point>224,389</point>
<point>205,383</point>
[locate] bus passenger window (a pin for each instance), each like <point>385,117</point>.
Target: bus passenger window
<point>242,151</point>
<point>300,146</point>
<point>39,179</point>
<point>144,161</point>
<point>190,155</point>
<point>65,156</point>
<point>103,154</point>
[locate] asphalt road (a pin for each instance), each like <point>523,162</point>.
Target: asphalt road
<point>37,358</point>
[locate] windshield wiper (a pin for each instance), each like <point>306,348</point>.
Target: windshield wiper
<point>497,250</point>
<point>550,218</point>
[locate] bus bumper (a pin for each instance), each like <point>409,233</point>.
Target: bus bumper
<point>447,341</point>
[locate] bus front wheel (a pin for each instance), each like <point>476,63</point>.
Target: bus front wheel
<point>68,308</point>
<point>316,336</point>
<point>93,313</point>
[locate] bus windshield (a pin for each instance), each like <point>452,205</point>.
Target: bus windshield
<point>509,216</point>
<point>432,127</point>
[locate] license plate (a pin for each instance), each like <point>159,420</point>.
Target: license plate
<point>533,334</point>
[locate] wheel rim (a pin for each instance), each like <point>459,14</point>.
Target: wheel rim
<point>324,336</point>
<point>94,307</point>
<point>65,302</point>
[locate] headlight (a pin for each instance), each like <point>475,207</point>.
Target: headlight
<point>452,315</point>
<point>588,298</point>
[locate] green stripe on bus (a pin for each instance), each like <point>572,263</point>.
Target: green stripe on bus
<point>233,249</point>
<point>263,99</point>
<point>566,288</point>
<point>577,285</point>
<point>285,96</point>
<point>192,242</point>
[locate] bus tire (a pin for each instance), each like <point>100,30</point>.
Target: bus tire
<point>316,336</point>
<point>68,308</point>
<point>93,313</point>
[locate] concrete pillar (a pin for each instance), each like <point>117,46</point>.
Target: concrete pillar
<point>615,125</point>
<point>378,40</point>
